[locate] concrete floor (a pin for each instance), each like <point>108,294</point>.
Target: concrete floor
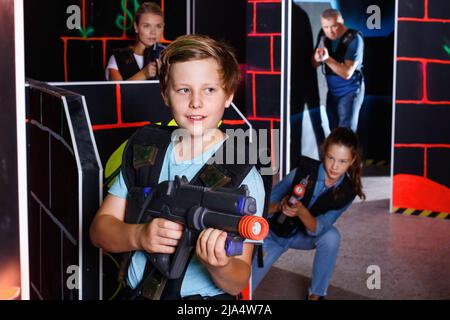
<point>413,254</point>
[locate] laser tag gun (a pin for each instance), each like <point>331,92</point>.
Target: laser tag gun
<point>281,225</point>
<point>151,54</point>
<point>321,41</point>
<point>320,45</point>
<point>298,192</point>
<point>198,208</point>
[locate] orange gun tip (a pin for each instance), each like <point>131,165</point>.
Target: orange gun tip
<point>253,228</point>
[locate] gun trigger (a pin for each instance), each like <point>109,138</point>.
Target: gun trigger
<point>184,180</point>
<point>165,210</point>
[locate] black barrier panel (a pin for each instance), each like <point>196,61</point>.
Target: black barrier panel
<point>109,140</point>
<point>411,8</point>
<point>101,96</point>
<point>83,60</point>
<point>64,194</point>
<point>421,123</point>
<point>409,161</point>
<point>422,39</point>
<point>140,102</point>
<point>117,110</point>
<point>9,184</point>
<point>422,137</point>
<point>437,156</point>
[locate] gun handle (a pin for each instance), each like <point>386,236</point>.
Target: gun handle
<point>173,265</point>
<point>281,218</point>
<point>234,245</point>
<point>160,261</point>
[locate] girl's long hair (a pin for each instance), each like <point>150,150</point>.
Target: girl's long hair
<point>346,137</point>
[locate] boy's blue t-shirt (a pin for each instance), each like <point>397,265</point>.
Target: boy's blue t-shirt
<point>197,279</point>
<point>339,86</point>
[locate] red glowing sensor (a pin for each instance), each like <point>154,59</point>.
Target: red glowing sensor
<point>299,190</point>
<point>297,194</point>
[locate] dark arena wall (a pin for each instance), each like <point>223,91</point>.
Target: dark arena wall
<point>10,272</point>
<point>65,191</point>
<point>63,127</point>
<point>422,110</point>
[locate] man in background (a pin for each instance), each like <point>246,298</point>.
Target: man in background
<point>340,52</point>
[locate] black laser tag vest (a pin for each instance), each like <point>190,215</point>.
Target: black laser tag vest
<point>127,64</point>
<point>333,199</point>
<point>142,162</point>
<point>339,55</point>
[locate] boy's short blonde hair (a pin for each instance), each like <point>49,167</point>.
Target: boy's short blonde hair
<point>198,47</point>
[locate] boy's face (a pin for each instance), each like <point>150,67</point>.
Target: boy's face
<point>196,95</point>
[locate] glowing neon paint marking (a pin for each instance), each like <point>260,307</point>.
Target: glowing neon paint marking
<point>85,34</point>
<point>447,49</point>
<point>121,21</point>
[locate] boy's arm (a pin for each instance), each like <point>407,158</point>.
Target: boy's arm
<point>109,232</point>
<point>231,274</point>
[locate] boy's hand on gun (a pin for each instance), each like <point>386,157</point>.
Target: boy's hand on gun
<point>210,248</point>
<point>160,236</point>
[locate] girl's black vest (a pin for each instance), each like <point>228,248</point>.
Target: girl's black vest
<point>333,199</point>
<point>127,64</point>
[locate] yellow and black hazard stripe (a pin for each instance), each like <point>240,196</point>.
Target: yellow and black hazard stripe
<point>422,213</point>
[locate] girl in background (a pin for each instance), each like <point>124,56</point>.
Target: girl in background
<point>323,191</point>
<point>140,61</point>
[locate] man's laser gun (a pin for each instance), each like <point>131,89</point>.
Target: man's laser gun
<point>198,208</point>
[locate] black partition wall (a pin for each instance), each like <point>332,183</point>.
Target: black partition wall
<point>421,150</point>
<point>64,180</point>
<point>13,257</point>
